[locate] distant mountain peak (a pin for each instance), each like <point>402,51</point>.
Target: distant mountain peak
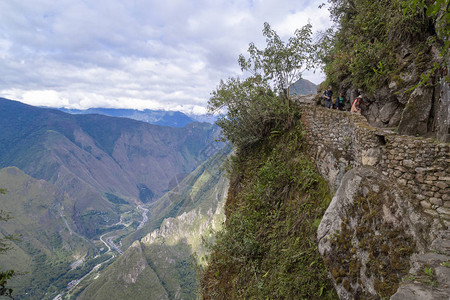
<point>302,87</point>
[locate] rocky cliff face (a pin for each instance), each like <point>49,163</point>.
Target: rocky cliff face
<point>398,104</point>
<point>373,240</point>
<point>396,54</point>
<point>443,113</point>
<point>190,228</point>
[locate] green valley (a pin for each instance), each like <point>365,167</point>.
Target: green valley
<point>77,185</point>
<point>164,263</point>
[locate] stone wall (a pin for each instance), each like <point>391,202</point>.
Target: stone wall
<point>340,141</point>
<point>423,167</point>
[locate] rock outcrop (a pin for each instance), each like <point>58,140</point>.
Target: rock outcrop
<point>443,113</point>
<point>371,237</point>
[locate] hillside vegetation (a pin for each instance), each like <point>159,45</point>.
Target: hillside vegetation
<point>268,247</point>
<point>373,38</point>
<point>396,54</point>
<point>43,255</point>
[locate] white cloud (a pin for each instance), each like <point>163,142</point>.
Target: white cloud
<point>134,54</point>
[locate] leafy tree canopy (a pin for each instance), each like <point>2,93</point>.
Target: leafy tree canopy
<point>280,62</point>
<point>259,105</point>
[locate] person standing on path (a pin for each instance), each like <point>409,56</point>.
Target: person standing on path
<point>328,97</point>
<point>340,101</point>
<point>356,105</point>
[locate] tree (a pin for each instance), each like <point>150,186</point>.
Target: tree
<point>5,245</point>
<point>280,62</point>
<point>256,106</point>
<point>252,110</point>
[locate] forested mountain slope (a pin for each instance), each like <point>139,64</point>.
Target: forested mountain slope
<point>164,264</point>
<point>47,245</point>
<point>88,156</point>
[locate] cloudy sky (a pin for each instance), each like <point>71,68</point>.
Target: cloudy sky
<point>162,54</point>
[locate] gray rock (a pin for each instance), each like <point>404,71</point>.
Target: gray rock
<point>396,117</point>
<point>367,216</point>
<point>443,113</point>
<point>414,291</point>
<point>387,111</point>
<point>416,113</point>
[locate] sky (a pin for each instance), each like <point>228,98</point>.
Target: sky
<point>162,54</point>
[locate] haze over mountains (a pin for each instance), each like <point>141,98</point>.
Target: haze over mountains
<point>156,117</point>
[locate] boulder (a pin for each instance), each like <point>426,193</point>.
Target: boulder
<point>416,114</point>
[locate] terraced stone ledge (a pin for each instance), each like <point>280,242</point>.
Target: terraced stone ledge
<point>340,141</point>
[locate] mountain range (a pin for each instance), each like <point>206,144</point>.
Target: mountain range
<point>88,156</point>
<point>77,184</point>
<point>156,117</point>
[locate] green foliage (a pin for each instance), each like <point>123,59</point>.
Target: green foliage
<point>4,277</point>
<point>439,13</point>
<point>268,247</point>
<point>362,50</point>
<point>430,277</point>
<point>445,264</point>
<point>187,276</point>
<point>115,199</point>
<point>253,110</point>
<point>280,62</point>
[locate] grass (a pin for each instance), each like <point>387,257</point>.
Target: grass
<point>268,248</point>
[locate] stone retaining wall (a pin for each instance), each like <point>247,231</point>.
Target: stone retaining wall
<point>340,141</point>
<point>423,166</point>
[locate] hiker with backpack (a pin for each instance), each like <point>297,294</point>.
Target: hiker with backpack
<point>340,101</point>
<point>328,97</point>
